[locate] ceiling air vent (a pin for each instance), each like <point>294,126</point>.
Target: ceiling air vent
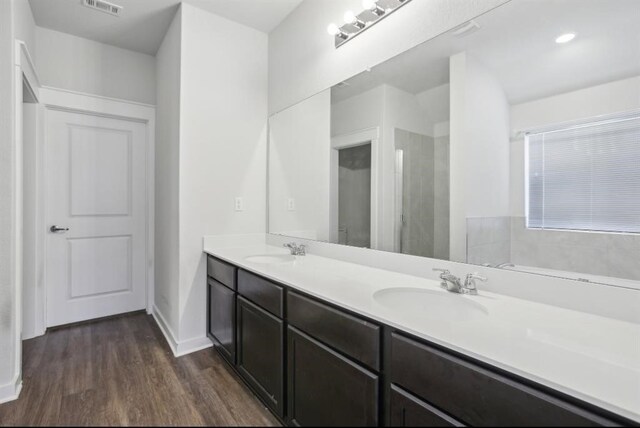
<point>103,6</point>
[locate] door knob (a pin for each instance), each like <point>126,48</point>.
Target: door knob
<point>56,229</point>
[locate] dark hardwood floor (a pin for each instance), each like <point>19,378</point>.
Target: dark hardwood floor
<point>120,371</point>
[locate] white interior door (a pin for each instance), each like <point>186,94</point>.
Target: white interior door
<point>95,187</point>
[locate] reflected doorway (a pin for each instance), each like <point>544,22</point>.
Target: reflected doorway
<point>354,196</point>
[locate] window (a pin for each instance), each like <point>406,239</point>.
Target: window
<point>586,176</point>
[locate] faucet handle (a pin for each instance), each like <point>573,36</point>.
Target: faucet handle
<point>443,274</point>
<point>470,283</point>
<point>476,275</point>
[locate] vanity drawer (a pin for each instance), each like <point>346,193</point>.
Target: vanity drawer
<point>475,395</point>
<point>262,292</point>
<point>355,337</point>
<point>222,272</point>
<point>409,411</point>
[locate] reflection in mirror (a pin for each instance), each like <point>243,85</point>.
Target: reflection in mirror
<point>512,141</point>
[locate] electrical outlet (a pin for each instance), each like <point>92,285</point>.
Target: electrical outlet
<point>291,204</point>
<point>239,205</point>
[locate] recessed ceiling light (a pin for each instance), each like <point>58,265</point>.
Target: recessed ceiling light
<point>565,38</point>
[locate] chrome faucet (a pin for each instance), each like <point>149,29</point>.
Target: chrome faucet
<point>505,265</point>
<point>454,284</point>
<point>296,250</point>
<point>499,266</point>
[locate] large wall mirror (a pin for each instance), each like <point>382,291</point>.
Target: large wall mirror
<point>512,141</point>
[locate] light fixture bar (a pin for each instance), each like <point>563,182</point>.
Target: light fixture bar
<point>374,11</point>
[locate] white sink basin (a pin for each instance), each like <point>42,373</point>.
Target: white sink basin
<point>435,305</point>
<point>268,259</point>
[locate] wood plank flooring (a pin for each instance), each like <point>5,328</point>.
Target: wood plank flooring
<point>120,371</point>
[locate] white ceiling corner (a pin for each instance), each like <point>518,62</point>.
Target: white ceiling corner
<point>143,23</point>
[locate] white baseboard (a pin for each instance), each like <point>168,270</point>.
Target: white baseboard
<point>193,345</point>
<point>11,390</point>
<point>26,335</point>
<point>179,348</point>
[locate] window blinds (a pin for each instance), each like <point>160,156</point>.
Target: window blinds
<point>586,177</point>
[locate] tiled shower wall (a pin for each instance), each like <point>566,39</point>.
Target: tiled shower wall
<point>488,240</point>
<point>607,254</point>
<point>506,239</point>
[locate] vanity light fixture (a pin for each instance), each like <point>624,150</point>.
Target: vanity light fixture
<point>565,38</point>
<point>351,19</point>
<point>335,31</point>
<point>374,11</point>
<point>372,6</point>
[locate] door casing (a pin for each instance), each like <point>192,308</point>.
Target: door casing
<point>75,102</point>
<point>345,141</point>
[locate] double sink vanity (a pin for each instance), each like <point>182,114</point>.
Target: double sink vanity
<point>503,155</point>
<point>324,342</point>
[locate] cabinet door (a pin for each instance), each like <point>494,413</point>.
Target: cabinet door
<point>327,389</point>
<point>260,353</point>
<point>222,319</point>
<point>409,411</point>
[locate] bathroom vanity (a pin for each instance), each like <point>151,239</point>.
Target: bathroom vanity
<point>316,362</point>
<point>506,147</point>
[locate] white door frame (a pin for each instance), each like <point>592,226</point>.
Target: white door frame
<point>345,141</point>
<point>24,71</point>
<point>76,102</point>
<point>26,76</point>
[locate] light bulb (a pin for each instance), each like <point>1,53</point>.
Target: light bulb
<point>369,4</point>
<point>333,29</point>
<point>565,38</point>
<point>350,17</point>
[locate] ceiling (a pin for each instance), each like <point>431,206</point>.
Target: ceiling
<point>263,15</point>
<point>143,23</point>
<point>517,43</point>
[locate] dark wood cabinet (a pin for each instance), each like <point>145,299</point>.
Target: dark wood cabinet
<point>262,292</point>
<point>315,364</point>
<point>222,272</point>
<point>260,358</point>
<point>352,336</point>
<point>409,411</point>
<point>327,389</point>
<point>475,395</point>
<point>222,319</point>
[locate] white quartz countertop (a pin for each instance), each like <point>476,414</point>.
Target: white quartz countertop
<point>590,357</point>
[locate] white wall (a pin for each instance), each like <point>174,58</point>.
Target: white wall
<point>222,146</point>
<point>436,103</point>
<point>300,167</point>
<point>303,60</point>
<point>362,111</point>
<point>619,96</point>
<point>479,148</point>
<point>8,309</point>
<point>25,26</point>
<point>402,111</point>
<point>74,63</point>
<point>167,158</point>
